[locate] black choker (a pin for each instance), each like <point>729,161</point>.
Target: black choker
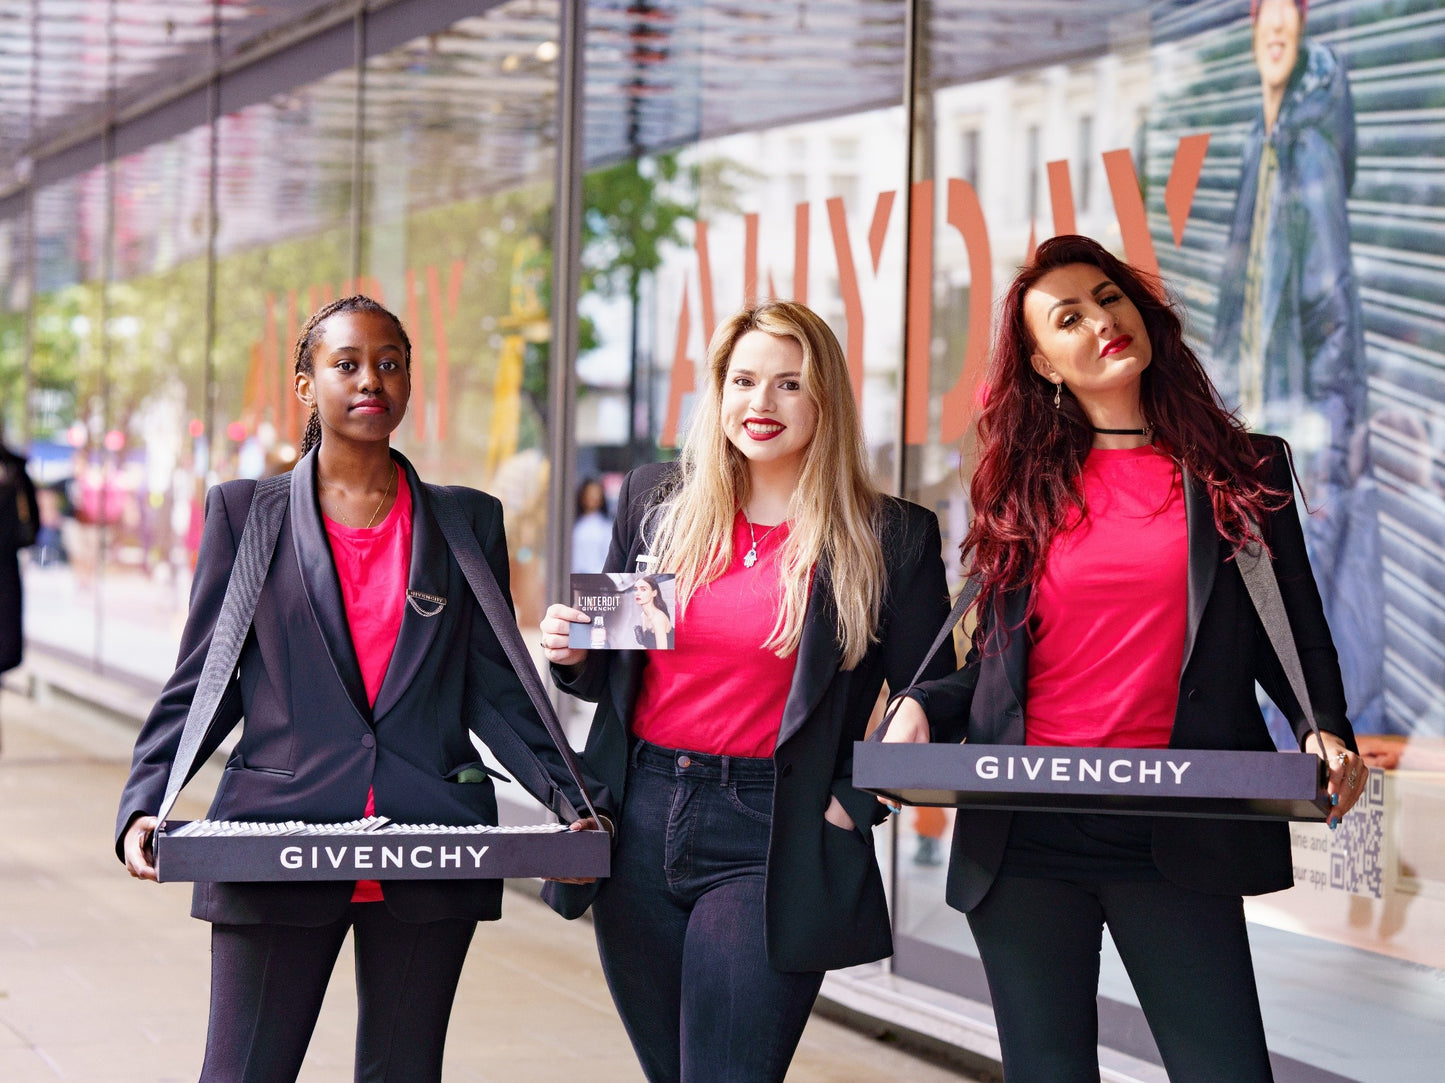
<point>1125,432</point>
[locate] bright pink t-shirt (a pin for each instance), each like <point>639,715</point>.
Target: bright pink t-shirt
<point>374,566</point>
<point>1107,631</point>
<point>718,690</point>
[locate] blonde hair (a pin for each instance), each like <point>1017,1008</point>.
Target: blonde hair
<point>834,513</point>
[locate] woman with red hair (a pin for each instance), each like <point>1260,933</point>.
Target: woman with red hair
<point>1110,498</point>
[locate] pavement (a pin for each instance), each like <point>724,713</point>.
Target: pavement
<point>105,979</point>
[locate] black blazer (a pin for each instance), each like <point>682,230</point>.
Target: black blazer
<point>311,745</point>
<point>1225,652</point>
<point>825,906</point>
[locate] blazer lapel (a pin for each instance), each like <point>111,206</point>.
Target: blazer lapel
<point>427,577</point>
<point>818,656</point>
<point>1014,626</point>
<point>323,588</point>
<point>1203,556</point>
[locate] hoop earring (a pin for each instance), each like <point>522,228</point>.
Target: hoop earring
<point>1058,394</point>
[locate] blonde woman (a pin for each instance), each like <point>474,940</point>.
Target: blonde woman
<point>744,865</point>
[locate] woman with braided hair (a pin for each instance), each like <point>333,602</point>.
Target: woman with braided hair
<point>366,665</point>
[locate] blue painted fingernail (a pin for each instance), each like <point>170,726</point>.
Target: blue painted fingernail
<point>1334,823</point>
<point>1334,799</point>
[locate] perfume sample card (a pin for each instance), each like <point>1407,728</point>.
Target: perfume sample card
<point>629,611</point>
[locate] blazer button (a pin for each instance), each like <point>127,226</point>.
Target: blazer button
<point>368,741</point>
<point>785,769</point>
<point>1192,694</point>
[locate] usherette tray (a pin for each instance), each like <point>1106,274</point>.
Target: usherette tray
<point>1172,782</point>
<point>374,849</point>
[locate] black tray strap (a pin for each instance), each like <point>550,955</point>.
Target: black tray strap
<point>468,553</point>
<point>1257,570</point>
<point>253,561</point>
<point>960,607</point>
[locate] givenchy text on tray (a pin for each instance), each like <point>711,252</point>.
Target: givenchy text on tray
<point>1059,768</point>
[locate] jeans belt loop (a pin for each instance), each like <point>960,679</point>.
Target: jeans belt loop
<point>725,760</point>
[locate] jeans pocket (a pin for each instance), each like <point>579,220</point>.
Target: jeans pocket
<point>754,802</point>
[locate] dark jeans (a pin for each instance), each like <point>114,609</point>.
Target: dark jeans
<point>1186,953</point>
<point>267,983</point>
<point>680,923</point>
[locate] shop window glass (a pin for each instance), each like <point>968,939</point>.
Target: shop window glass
<point>1168,77</point>
<point>68,415</point>
<point>460,159</point>
<point>783,179</point>
<point>154,395</point>
<point>14,299</point>
<point>284,206</point>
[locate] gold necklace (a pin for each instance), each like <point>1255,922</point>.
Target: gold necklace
<point>389,483</point>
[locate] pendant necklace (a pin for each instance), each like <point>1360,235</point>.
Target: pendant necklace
<point>389,484</point>
<point>751,557</point>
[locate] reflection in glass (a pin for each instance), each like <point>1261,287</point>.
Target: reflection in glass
<point>1115,102</point>
<point>675,241</point>
<point>14,298</point>
<point>68,418</point>
<point>155,395</point>
<point>284,192</point>
<point>457,240</point>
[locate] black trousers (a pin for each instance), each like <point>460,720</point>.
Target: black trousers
<point>268,981</point>
<point>1186,953</point>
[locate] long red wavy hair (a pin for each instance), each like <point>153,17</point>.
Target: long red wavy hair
<point>1031,454</point>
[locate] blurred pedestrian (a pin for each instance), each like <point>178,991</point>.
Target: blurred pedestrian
<point>592,529</point>
<point>19,522</point>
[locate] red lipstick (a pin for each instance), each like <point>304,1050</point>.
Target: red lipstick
<point>1116,345</point>
<point>762,429</point>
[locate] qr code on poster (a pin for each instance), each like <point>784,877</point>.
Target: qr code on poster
<point>1357,858</point>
